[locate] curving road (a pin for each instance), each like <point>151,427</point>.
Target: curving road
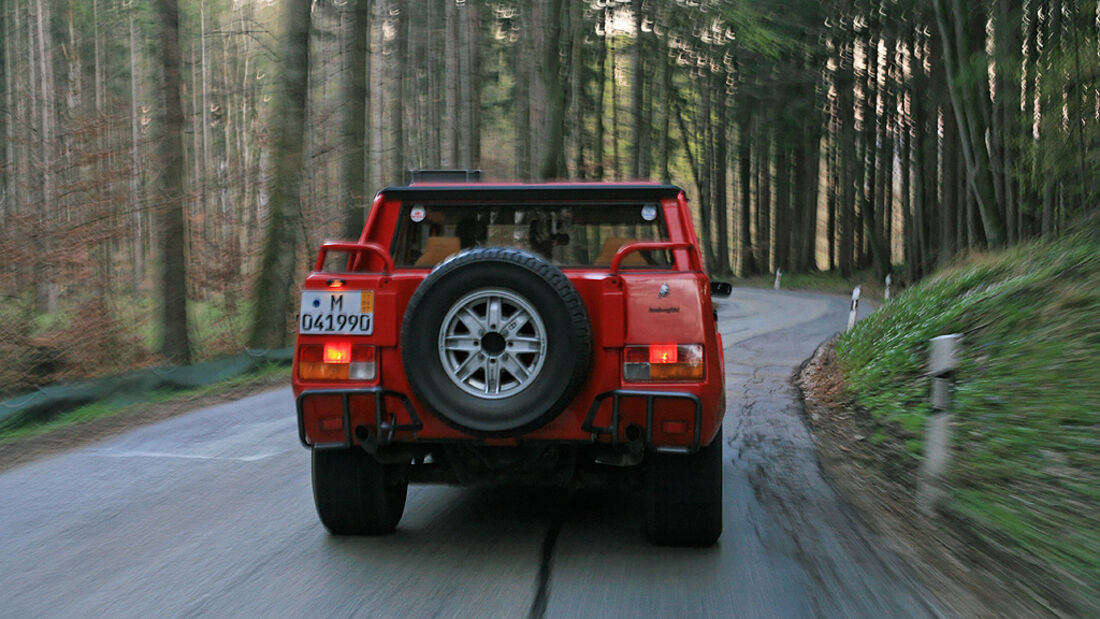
<point>211,514</point>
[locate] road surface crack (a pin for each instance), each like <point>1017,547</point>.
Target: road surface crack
<point>546,562</point>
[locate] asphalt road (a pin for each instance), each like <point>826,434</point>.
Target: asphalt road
<point>211,514</point>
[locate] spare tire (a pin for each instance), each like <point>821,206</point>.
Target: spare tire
<point>496,341</point>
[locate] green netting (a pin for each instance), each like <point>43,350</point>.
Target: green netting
<point>132,387</point>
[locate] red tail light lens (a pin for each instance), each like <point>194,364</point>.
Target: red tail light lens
<point>337,352</point>
<point>663,353</point>
<point>656,362</point>
<point>337,360</point>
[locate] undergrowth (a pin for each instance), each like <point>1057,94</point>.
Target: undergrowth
<point>1025,471</point>
<point>100,336</point>
<point>264,374</point>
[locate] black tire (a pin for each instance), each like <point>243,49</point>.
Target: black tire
<point>567,336</point>
<point>683,495</point>
<point>355,494</point>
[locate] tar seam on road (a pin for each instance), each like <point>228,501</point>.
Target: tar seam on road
<point>546,563</point>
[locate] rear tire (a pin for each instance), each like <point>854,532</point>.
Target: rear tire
<point>683,495</point>
<point>355,494</point>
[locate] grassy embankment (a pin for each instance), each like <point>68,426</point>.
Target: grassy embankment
<point>1025,474</point>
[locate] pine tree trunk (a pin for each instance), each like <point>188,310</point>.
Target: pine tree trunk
<point>963,48</point>
<point>747,261</point>
<point>720,163</point>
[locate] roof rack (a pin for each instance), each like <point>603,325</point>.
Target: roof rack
<point>442,176</point>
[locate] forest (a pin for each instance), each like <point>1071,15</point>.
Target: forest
<point>168,168</point>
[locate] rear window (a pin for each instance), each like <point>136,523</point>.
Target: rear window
<point>566,235</point>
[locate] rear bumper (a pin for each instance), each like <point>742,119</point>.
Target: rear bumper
<point>386,428</point>
<point>386,425</point>
<point>618,395</point>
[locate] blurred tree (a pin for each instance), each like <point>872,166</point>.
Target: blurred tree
<point>175,344</point>
<point>356,120</point>
<point>279,262</point>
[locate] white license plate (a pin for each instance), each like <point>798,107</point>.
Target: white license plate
<point>343,312</point>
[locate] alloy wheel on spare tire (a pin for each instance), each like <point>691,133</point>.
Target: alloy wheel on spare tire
<point>496,341</point>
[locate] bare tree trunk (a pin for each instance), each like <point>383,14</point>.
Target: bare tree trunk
<point>636,91</point>
<point>355,122</point>
<point>273,303</point>
<point>720,176</point>
<point>666,111</point>
<point>473,103</point>
<point>601,84</point>
<point>747,261</point>
<point>451,61</point>
<point>399,88</point>
<point>465,85</point>
<point>553,157</point>
<point>175,344</point>
<point>47,286</point>
<point>521,98</point>
<point>577,91</point>
<point>138,249</point>
<point>616,159</point>
<point>7,165</point>
<point>764,203</point>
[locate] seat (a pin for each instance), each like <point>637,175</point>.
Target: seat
<point>611,246</point>
<point>436,249</point>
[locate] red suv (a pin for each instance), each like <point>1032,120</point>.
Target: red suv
<point>514,334</point>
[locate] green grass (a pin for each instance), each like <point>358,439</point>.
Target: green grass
<point>98,410</point>
<point>1025,474</point>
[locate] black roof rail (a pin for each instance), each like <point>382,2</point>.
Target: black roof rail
<point>442,176</point>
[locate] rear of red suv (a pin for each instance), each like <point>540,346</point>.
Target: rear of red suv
<point>536,334</point>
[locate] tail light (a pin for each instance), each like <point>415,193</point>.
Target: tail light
<point>337,360</point>
<point>663,362</point>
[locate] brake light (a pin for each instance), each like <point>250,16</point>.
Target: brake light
<point>681,362</point>
<point>337,360</point>
<point>663,353</point>
<point>337,352</point>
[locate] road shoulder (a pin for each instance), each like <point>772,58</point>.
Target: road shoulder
<point>21,451</point>
<point>966,580</point>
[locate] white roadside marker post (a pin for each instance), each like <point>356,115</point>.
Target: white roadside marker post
<point>855,308</point>
<point>943,360</point>
<point>889,280</point>
<point>778,276</point>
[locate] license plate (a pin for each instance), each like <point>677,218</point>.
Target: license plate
<point>343,312</point>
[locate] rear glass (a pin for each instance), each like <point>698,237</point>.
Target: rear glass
<point>566,235</point>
